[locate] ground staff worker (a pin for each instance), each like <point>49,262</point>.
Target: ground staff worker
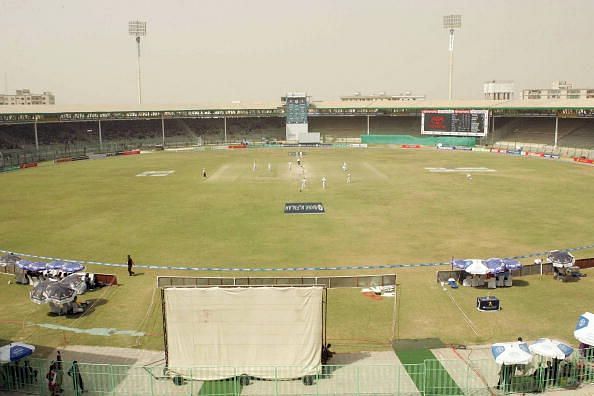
<point>130,265</point>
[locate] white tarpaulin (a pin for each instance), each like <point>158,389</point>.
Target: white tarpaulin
<point>225,332</point>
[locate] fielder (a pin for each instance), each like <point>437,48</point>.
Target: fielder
<point>344,167</point>
<point>324,183</point>
<point>348,178</point>
<point>303,182</point>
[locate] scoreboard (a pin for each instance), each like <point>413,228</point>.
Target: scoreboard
<point>455,122</point>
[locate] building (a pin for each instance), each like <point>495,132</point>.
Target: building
<point>558,90</point>
<point>357,97</point>
<point>498,90</point>
<point>25,97</point>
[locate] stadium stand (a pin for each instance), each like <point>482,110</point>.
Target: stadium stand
<point>578,133</point>
<point>335,129</point>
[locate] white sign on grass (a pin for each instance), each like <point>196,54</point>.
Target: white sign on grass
<point>156,173</point>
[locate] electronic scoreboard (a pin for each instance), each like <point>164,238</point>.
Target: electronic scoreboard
<point>455,122</point>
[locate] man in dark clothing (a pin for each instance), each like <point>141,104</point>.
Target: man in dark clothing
<point>77,382</point>
<point>130,264</point>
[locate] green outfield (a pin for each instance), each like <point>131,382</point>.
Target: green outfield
<point>393,211</point>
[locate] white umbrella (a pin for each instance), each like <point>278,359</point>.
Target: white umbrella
<point>511,353</point>
<point>561,259</point>
<point>478,267</point>
<point>551,348</point>
<point>15,351</point>
<point>584,330</point>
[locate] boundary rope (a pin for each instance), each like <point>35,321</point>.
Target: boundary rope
<point>279,269</point>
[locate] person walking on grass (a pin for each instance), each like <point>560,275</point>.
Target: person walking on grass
<point>130,265</point>
<point>204,173</point>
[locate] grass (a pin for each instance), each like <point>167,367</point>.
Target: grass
<point>392,212</point>
<point>432,376</point>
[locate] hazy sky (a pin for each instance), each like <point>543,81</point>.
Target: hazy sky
<point>207,51</point>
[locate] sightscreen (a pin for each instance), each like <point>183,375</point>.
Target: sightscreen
<point>225,332</point>
<point>455,122</point>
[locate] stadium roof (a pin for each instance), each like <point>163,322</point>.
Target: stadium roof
<point>63,113</point>
<point>422,104</point>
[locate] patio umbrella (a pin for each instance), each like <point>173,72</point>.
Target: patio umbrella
<point>76,282</point>
<point>55,265</point>
<point>72,266</point>
<point>584,330</point>
<point>511,264</point>
<point>23,264</point>
<point>551,348</point>
<point>59,293</point>
<point>478,267</point>
<point>15,351</point>
<point>511,353</point>
<point>36,294</point>
<point>561,259</point>
<point>37,266</point>
<point>461,264</point>
<point>495,264</point>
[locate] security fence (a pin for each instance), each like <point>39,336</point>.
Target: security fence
<point>432,377</point>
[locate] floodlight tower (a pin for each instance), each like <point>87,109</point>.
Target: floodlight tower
<point>451,22</point>
<point>138,29</point>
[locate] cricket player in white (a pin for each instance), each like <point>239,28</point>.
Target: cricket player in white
<point>254,166</point>
<point>344,167</point>
<point>324,183</point>
<point>348,178</point>
<point>269,167</point>
<point>290,165</point>
<point>303,182</point>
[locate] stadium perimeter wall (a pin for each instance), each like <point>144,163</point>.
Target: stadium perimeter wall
<point>418,140</point>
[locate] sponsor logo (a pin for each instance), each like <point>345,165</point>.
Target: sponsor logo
<point>552,156</point>
<point>304,208</point>
<point>156,173</point>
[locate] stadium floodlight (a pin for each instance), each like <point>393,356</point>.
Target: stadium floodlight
<point>138,30</point>
<point>451,22</point>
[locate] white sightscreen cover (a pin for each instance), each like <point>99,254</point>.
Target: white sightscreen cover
<point>233,331</point>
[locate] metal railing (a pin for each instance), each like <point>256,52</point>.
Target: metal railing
<point>432,377</point>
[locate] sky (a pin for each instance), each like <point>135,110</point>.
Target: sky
<point>219,51</point>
